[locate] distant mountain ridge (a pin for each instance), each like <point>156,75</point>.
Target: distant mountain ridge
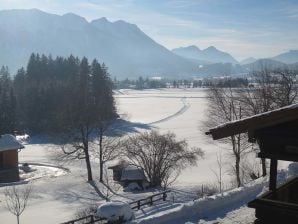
<point>208,55</point>
<point>248,60</point>
<point>287,57</point>
<point>123,47</point>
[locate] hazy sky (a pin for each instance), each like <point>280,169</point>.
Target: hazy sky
<point>244,28</point>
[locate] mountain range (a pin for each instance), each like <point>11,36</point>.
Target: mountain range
<point>208,55</point>
<point>123,47</point>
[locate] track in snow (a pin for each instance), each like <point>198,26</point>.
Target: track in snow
<point>184,108</point>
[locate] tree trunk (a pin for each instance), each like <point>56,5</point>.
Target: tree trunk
<point>237,168</point>
<point>155,182</point>
<point>264,171</point>
<point>88,164</point>
<point>100,157</point>
<point>85,141</point>
<point>18,219</point>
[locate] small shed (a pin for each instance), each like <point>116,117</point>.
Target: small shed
<point>9,162</point>
<point>276,133</point>
<point>117,169</point>
<point>133,174</point>
<point>126,174</point>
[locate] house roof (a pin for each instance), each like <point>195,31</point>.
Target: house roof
<point>9,142</point>
<point>119,164</point>
<point>263,120</point>
<point>132,173</point>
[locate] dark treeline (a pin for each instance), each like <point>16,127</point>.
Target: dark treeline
<point>140,83</point>
<point>52,93</point>
<point>147,83</point>
<point>226,82</point>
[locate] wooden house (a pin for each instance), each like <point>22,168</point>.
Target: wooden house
<point>276,133</point>
<point>9,162</point>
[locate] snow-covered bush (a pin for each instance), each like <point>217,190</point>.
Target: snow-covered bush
<point>114,211</point>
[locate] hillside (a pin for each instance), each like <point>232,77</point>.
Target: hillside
<point>123,47</point>
<point>210,54</point>
<point>287,57</point>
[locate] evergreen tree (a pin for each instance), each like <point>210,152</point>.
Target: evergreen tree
<point>7,103</point>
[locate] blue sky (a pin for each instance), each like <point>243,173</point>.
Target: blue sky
<point>244,28</point>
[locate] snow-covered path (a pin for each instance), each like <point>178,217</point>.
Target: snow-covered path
<point>182,110</point>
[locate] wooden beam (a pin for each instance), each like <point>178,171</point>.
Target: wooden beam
<point>279,116</point>
<point>273,174</point>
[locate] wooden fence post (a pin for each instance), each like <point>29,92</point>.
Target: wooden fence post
<point>164,196</point>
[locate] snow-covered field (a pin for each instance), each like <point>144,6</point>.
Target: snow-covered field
<point>58,193</point>
<point>182,111</point>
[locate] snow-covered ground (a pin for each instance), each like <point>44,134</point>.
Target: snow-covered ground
<point>182,112</point>
<point>58,193</point>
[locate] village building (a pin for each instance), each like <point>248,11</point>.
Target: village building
<point>276,133</point>
<point>9,162</point>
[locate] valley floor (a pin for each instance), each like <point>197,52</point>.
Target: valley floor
<point>58,195</point>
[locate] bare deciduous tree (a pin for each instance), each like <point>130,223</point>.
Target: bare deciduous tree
<point>219,171</point>
<point>107,148</point>
<point>285,91</point>
<point>110,185</point>
<point>89,103</point>
<point>16,199</point>
<point>161,156</point>
<point>272,90</point>
<point>224,107</point>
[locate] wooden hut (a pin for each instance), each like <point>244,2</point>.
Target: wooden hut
<point>9,170</point>
<point>276,133</point>
<point>117,169</point>
<point>126,174</point>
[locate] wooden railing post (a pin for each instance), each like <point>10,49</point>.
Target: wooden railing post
<point>151,200</point>
<point>164,196</point>
<point>273,174</point>
<point>139,205</point>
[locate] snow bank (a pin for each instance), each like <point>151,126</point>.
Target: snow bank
<point>22,138</point>
<point>115,210</point>
<point>205,207</point>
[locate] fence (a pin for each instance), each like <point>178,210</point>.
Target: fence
<point>90,219</point>
<point>149,200</point>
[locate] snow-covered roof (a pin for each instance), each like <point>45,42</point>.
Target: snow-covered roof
<point>132,173</point>
<point>9,142</point>
<point>118,164</point>
<point>262,120</point>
